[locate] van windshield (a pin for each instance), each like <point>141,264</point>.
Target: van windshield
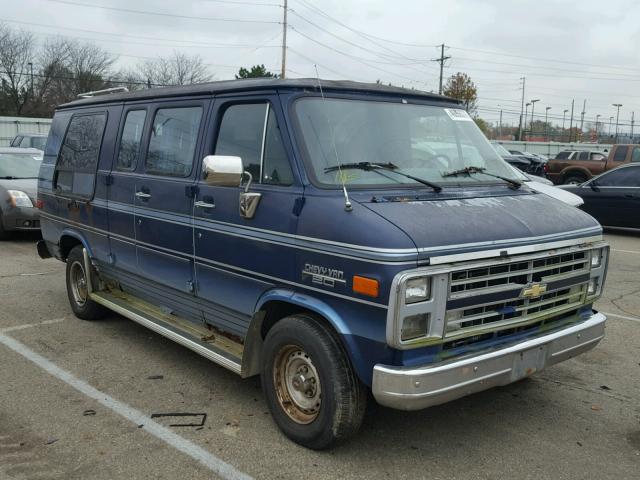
<point>423,141</point>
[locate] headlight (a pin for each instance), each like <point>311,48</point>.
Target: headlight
<point>19,199</point>
<point>417,290</point>
<point>596,257</point>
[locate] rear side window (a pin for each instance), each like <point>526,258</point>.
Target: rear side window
<point>16,141</point>
<point>583,156</point>
<point>130,141</point>
<point>635,155</point>
<point>78,159</point>
<point>563,155</point>
<point>620,154</point>
<point>173,141</point>
<point>251,132</point>
<point>620,177</point>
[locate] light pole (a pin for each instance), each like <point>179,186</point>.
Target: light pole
<point>617,105</point>
<point>31,74</point>
<point>533,105</point>
<point>597,134</point>
<point>564,114</point>
<point>610,120</point>
<point>524,124</point>
<point>546,124</point>
<point>500,125</point>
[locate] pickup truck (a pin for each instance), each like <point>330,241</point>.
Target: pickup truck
<point>575,167</point>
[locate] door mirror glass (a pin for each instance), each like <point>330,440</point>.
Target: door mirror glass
<point>222,170</point>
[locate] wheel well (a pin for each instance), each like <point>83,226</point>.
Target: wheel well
<point>67,242</point>
<point>277,310</point>
<point>575,173</point>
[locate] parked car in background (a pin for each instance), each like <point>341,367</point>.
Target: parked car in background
<point>543,185</point>
<point>530,164</point>
<point>30,140</point>
<point>578,166</point>
<point>612,198</point>
<point>18,185</point>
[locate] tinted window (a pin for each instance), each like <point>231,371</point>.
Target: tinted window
<point>635,155</point>
<point>173,141</point>
<point>621,177</point>
<point>563,155</point>
<point>620,154</point>
<point>130,141</point>
<point>583,156</point>
<point>78,159</point>
<point>241,134</point>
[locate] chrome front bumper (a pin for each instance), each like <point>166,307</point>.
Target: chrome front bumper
<point>421,387</point>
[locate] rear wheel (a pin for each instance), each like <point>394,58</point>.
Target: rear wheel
<point>77,288</point>
<point>3,232</point>
<point>311,389</point>
<point>573,179</point>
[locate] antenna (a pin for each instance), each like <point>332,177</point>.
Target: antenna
<point>347,203</point>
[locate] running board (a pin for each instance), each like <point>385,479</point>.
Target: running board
<point>215,347</point>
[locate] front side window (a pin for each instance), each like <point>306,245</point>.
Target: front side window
<point>79,154</point>
<point>620,154</point>
<point>635,155</point>
<point>173,141</point>
<point>583,156</point>
<point>251,132</point>
<point>425,141</point>
<point>621,177</point>
<point>130,141</point>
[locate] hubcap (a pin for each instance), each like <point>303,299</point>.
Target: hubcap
<point>78,282</point>
<point>297,384</point>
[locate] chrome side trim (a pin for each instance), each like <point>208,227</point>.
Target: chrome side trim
<point>170,334</point>
<point>409,388</point>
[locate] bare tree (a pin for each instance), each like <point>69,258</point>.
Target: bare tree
<point>89,65</point>
<point>16,52</point>
<point>179,69</point>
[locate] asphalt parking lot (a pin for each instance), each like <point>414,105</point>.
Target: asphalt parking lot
<point>76,399</point>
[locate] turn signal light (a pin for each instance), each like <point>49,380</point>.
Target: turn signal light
<point>366,286</point>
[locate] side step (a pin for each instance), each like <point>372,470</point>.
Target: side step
<point>215,347</point>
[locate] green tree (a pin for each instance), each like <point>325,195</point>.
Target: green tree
<point>461,87</point>
<point>483,125</point>
<point>257,71</point>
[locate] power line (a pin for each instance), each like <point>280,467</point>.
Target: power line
<point>117,34</point>
<point>160,14</point>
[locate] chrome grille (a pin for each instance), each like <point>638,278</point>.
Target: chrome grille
<point>515,276</point>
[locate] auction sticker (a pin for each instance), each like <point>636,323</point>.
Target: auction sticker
<point>458,115</point>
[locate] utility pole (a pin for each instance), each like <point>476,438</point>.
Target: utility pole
<point>526,112</point>
<point>571,122</point>
<point>584,108</point>
<point>500,125</point>
<point>597,133</point>
<point>31,73</point>
<point>610,121</point>
<point>617,105</point>
<point>524,80</point>
<point>441,61</point>
<point>564,114</point>
<point>632,115</point>
<point>283,71</point>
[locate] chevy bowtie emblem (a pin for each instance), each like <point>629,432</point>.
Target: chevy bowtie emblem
<point>534,290</point>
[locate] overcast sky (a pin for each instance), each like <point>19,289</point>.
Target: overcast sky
<point>566,49</point>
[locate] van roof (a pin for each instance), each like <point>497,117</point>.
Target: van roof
<point>254,84</point>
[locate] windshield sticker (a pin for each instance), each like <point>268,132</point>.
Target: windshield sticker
<point>458,115</point>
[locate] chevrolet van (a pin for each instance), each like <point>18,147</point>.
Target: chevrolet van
<point>334,238</point>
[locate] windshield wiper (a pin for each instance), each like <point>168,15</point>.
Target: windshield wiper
<point>390,167</point>
<point>469,170</point>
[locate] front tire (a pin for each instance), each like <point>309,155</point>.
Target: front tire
<point>77,288</point>
<point>311,389</point>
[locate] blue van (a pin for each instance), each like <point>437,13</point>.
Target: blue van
<point>335,238</point>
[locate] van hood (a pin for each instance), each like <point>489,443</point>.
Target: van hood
<point>460,225</point>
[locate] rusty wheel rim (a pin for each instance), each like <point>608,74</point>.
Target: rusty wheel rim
<point>78,282</point>
<point>297,384</point>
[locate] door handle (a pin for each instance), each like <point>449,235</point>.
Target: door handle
<point>201,204</point>
<point>143,195</point>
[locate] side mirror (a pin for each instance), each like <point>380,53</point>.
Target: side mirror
<point>222,170</point>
